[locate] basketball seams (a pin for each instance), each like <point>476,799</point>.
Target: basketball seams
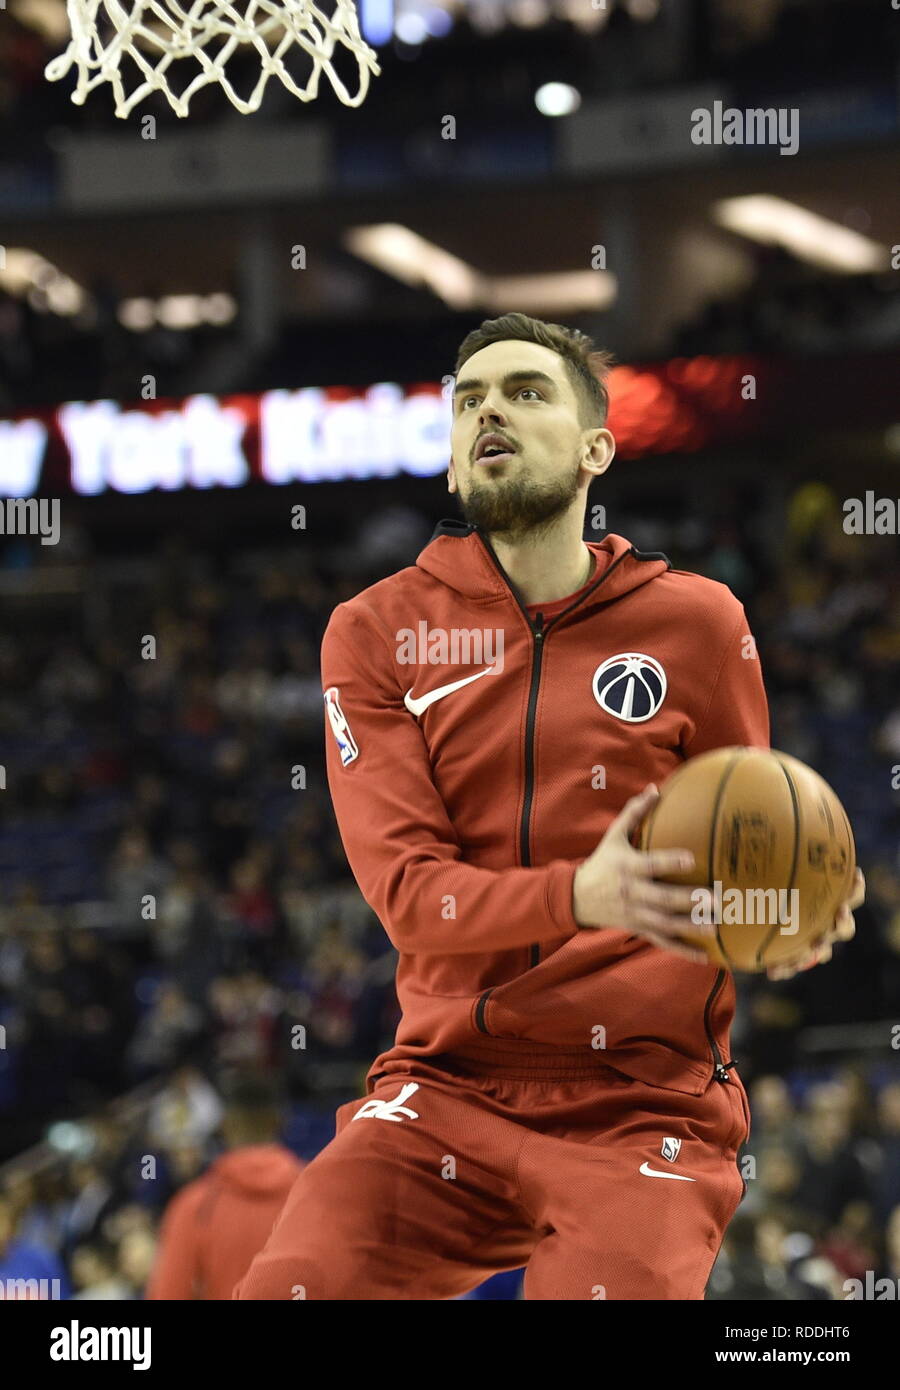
<point>795,802</point>
<point>851,845</point>
<point>739,755</point>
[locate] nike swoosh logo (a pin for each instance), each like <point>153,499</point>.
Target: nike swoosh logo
<point>649,1172</point>
<point>418,705</point>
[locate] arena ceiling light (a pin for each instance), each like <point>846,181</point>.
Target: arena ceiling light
<point>821,242</point>
<point>29,276</point>
<point>181,311</point>
<point>376,20</point>
<point>529,14</point>
<point>406,256</point>
<point>46,17</point>
<point>411,28</point>
<point>401,252</point>
<point>644,11</point>
<point>557,99</point>
<point>587,18</point>
<point>176,311</point>
<point>564,292</point>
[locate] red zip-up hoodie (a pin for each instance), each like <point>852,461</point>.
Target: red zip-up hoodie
<point>215,1225</point>
<point>465,817</point>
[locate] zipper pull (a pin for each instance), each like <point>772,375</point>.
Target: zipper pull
<point>539,627</point>
<point>722,1070</point>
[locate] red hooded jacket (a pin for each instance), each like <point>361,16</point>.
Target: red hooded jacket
<point>214,1226</point>
<point>465,818</point>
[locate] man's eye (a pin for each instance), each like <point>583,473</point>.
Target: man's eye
<point>534,391</point>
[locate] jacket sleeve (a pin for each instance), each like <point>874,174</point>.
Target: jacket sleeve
<point>176,1270</point>
<point>398,837</point>
<point>736,710</point>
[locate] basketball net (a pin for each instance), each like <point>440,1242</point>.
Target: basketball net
<point>156,33</point>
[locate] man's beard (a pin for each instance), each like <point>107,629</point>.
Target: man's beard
<point>516,507</point>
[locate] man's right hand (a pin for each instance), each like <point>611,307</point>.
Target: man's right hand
<point>614,886</point>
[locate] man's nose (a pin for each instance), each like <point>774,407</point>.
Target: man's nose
<point>491,410</point>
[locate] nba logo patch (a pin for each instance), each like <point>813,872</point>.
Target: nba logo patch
<point>339,726</point>
<point>670,1149</point>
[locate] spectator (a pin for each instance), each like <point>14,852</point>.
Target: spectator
<point>168,1028</point>
<point>886,1182</point>
<point>215,1226</point>
<point>91,1198</point>
<point>773,1114</point>
<point>188,1110</point>
<point>135,1259</point>
<point>832,1175</point>
<point>94,1275</point>
<point>42,1271</point>
<point>136,874</point>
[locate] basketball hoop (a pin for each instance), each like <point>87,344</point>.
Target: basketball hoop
<point>155,33</point>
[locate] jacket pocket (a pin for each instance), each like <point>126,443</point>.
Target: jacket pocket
<point>644,1059</point>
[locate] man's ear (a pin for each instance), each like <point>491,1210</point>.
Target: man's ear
<point>451,477</point>
<point>601,448</point>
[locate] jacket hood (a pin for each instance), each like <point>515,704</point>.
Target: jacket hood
<point>463,559</point>
<point>258,1169</point>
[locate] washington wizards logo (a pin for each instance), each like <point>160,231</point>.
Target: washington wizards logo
<point>630,686</point>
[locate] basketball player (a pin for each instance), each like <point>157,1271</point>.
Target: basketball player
<point>214,1225</point>
<point>561,1094</point>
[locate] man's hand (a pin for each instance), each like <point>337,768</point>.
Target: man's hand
<point>614,886</point>
<point>820,950</point>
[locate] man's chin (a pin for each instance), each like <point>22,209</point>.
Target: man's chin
<point>496,513</point>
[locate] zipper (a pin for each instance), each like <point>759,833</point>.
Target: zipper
<point>534,950</point>
<point>525,823</point>
<point>720,1068</point>
<point>538,633</point>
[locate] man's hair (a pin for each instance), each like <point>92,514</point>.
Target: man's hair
<point>251,1091</point>
<point>588,367</point>
<point>253,1108</point>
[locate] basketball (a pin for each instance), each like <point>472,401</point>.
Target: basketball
<point>773,842</point>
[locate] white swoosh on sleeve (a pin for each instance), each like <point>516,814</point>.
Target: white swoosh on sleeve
<point>418,705</point>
